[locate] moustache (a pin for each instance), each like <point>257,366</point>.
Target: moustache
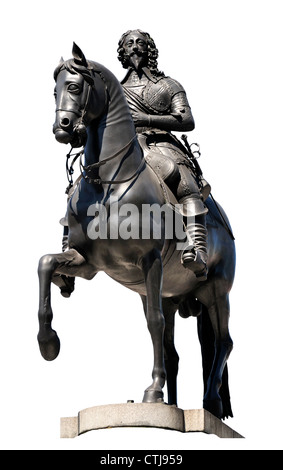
<point>137,53</point>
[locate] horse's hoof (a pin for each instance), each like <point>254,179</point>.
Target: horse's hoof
<point>65,293</point>
<point>68,286</point>
<point>215,407</point>
<point>49,345</point>
<point>153,396</point>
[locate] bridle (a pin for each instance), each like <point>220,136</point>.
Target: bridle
<point>83,112</point>
<point>87,170</point>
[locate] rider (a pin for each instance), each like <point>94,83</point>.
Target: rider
<point>159,105</point>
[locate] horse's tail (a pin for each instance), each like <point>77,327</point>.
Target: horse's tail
<point>207,339</point>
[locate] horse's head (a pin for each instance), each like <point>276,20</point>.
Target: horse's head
<point>78,98</point>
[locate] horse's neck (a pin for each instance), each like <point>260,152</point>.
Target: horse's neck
<point>114,129</point>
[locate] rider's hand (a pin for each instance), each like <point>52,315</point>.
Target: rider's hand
<point>140,119</point>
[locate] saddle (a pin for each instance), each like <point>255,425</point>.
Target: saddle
<point>166,166</point>
<point>162,164</point>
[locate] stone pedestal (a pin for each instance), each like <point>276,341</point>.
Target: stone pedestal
<point>157,415</point>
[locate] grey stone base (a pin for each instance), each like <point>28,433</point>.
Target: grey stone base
<point>157,415</point>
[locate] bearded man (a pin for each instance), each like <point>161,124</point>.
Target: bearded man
<point>159,106</point>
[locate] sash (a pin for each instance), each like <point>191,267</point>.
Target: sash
<point>136,101</point>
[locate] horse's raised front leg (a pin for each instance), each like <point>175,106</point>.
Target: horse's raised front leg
<point>152,266</point>
<point>70,262</point>
<point>219,315</point>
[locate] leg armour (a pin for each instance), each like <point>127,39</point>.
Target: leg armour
<point>195,258</point>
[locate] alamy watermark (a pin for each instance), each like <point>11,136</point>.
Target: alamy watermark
<point>130,221</point>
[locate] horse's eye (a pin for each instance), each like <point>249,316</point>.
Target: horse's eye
<point>74,88</point>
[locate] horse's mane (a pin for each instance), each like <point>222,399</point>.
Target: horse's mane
<point>72,66</point>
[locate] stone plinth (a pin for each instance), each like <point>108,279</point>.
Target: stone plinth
<point>203,421</point>
<point>157,415</point>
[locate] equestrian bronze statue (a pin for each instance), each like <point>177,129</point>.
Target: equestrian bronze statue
<point>112,202</point>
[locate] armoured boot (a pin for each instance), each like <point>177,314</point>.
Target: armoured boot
<point>194,256</point>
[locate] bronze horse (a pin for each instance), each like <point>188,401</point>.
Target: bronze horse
<point>91,111</point>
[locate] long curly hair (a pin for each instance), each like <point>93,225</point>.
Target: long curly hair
<point>151,49</point>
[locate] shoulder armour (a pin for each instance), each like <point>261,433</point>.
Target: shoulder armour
<point>158,95</point>
<point>175,86</point>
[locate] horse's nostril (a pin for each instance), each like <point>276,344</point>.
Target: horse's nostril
<point>65,122</point>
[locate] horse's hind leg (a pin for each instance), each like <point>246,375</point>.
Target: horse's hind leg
<point>152,266</point>
<point>219,315</point>
<point>171,355</point>
<point>71,260</point>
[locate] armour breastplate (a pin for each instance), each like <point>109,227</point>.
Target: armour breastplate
<point>158,96</point>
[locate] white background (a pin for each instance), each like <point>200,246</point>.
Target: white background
<point>228,56</point>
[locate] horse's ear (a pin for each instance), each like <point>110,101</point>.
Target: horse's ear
<point>58,68</point>
<point>79,55</point>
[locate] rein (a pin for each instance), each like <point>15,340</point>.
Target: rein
<point>70,169</point>
<point>89,168</point>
